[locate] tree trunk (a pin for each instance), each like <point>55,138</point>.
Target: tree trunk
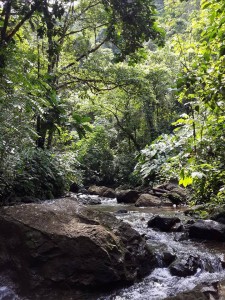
<point>40,142</point>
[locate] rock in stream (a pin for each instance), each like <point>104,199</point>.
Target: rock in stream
<point>63,245</point>
<point>207,230</point>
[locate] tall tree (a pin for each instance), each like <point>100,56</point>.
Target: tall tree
<point>82,28</point>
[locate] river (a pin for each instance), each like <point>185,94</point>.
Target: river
<point>160,283</point>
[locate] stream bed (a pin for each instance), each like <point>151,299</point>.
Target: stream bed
<point>160,283</point>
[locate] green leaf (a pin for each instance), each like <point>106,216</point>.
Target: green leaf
<point>186,181</point>
<point>206,4</point>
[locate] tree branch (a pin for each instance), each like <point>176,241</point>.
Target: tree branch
<point>79,30</point>
<point>20,24</point>
<point>85,54</point>
<point>87,8</point>
<point>90,82</point>
<point>6,12</point>
<point>126,131</point>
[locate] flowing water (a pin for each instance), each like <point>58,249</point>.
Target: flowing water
<point>160,283</point>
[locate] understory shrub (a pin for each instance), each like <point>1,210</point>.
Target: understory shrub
<point>37,173</point>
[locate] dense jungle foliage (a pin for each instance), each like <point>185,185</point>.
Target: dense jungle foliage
<point>112,92</point>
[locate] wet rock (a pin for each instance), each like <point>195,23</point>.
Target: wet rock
<point>122,211</point>
<point>207,230</point>
<point>109,193</point>
<point>168,258</point>
<point>150,200</point>
<point>184,267</point>
<point>181,236</point>
<point>83,190</point>
<point>223,264</point>
<point>62,244</point>
<point>163,255</point>
<point>165,224</point>
<point>127,196</point>
<point>94,190</point>
<point>84,199</point>
<point>88,200</point>
<point>102,191</point>
<point>178,227</point>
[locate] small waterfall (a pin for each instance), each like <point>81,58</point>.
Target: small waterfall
<point>211,264</point>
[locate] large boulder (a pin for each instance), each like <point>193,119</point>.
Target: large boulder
<point>102,191</point>
<point>207,230</point>
<point>151,201</point>
<point>127,196</point>
<point>61,244</point>
<point>165,224</point>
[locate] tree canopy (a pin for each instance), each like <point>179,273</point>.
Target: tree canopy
<point>91,89</point>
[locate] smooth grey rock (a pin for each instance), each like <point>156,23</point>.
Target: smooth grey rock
<point>207,230</point>
<point>61,244</point>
